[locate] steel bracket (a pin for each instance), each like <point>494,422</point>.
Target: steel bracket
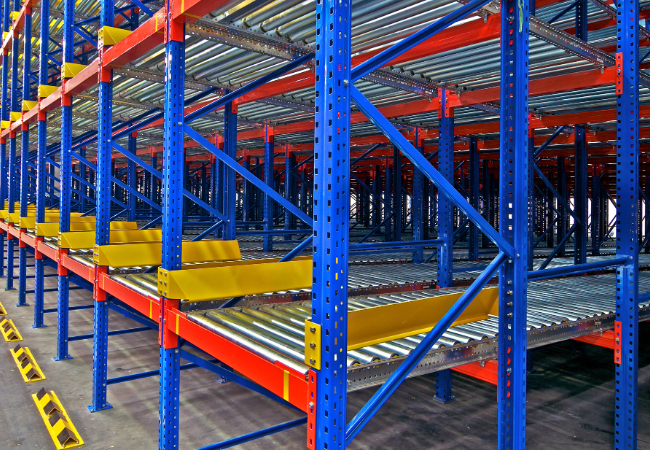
<point>312,344</point>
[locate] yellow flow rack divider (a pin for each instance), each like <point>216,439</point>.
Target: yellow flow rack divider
<point>27,365</point>
<point>3,311</point>
<point>51,229</point>
<point>56,419</point>
<point>29,221</point>
<point>9,331</point>
<point>150,254</point>
<point>228,281</point>
<point>86,239</point>
<point>395,321</point>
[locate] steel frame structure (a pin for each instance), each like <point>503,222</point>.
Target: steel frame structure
<point>318,187</point>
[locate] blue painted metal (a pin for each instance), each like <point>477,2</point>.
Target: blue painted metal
<point>147,374</point>
<point>445,251</point>
<point>173,160</point>
<point>423,164</point>
<point>269,154</point>
<point>474,187</point>
<point>83,337</point>
<point>102,218</point>
<point>24,156</point>
<point>417,202</point>
<point>232,163</point>
<point>413,359</point>
<point>228,196</point>
<point>627,190</point>
<point>65,163</point>
<point>580,202</point>
<point>331,215</point>
<point>513,224</point>
<point>256,435</point>
<point>575,269</point>
<point>131,178</point>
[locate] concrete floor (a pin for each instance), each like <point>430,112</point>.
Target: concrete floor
<point>570,398</point>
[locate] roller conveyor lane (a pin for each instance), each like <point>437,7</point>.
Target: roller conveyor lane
<point>557,310</point>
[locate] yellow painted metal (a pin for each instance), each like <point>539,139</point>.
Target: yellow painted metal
<point>3,311</point>
<point>243,262</point>
<point>57,421</point>
<point>312,344</point>
<point>9,331</point>
<point>150,254</point>
<point>28,104</point>
<point>234,281</point>
<point>389,322</point>
<point>69,70</point>
<point>4,124</point>
<point>13,15</point>
<point>86,239</point>
<point>27,365</point>
<point>77,224</point>
<point>14,116</point>
<point>111,35</point>
<point>45,91</point>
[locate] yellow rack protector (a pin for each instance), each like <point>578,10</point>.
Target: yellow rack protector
<point>15,116</point>
<point>111,35</point>
<point>86,239</point>
<point>5,124</point>
<point>234,281</point>
<point>45,91</point>
<point>150,254</point>
<point>27,365</point>
<point>9,331</point>
<point>70,70</point>
<point>3,311</point>
<point>51,229</point>
<point>389,322</point>
<point>56,419</point>
<point>28,105</point>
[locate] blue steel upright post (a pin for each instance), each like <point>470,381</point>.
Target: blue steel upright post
<point>445,221</point>
<point>173,160</point>
<point>580,196</point>
<point>65,178</point>
<point>13,195</point>
<point>331,215</point>
<point>4,115</point>
<point>229,176</point>
<point>267,243</point>
<point>627,192</point>
<point>513,223</point>
<point>474,186</point>
<point>24,155</point>
<point>417,202</point>
<point>102,217</point>
<point>132,178</point>
<point>41,165</point>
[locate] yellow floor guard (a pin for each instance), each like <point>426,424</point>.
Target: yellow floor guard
<point>27,365</point>
<point>3,311</point>
<point>9,331</point>
<point>58,424</point>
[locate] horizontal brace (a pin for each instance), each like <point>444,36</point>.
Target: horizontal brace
<point>71,308</point>
<point>150,373</point>
<point>578,268</point>
<point>110,333</point>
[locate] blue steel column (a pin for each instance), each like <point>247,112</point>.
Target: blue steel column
<point>397,194</point>
<point>173,160</point>
<point>229,175</point>
<point>289,189</point>
<point>531,186</point>
<point>627,192</point>
<point>474,186</point>
<point>65,179</point>
<point>41,165</point>
<point>445,222</point>
<point>267,243</point>
<point>24,154</point>
<point>13,195</point>
<point>562,213</point>
<point>388,200</point>
<point>596,214</point>
<point>580,196</point>
<point>417,202</point>
<point>132,177</point>
<point>331,216</point>
<point>102,217</point>
<point>153,191</point>
<point>513,223</point>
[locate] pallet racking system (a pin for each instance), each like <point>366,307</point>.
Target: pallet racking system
<point>433,78</point>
